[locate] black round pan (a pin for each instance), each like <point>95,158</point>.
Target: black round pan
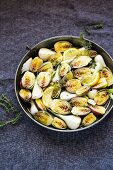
<point>48,43</point>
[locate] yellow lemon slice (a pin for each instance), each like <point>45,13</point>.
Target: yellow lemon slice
<point>47,96</point>
<point>91,80</point>
<point>70,54</point>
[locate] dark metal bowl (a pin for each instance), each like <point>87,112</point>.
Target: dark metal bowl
<point>48,43</point>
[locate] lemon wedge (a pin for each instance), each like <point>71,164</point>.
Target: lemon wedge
<point>71,53</point>
<point>91,80</point>
<point>47,96</point>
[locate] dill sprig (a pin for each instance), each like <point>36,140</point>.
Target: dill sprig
<point>87,45</point>
<point>8,106</point>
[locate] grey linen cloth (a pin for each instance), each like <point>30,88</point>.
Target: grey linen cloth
<point>26,146</point>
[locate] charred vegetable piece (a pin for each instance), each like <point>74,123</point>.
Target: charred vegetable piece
<point>47,96</point>
<point>61,46</point>
<point>45,53</point>
<point>67,96</point>
<point>73,122</point>
<point>79,101</point>
<point>80,111</point>
<point>59,123</point>
<point>98,110</point>
<point>72,85</point>
<point>56,90</point>
<point>43,117</point>
<point>44,79</point>
<point>33,108</point>
<point>37,91</point>
<point>101,97</point>
<point>46,67</point>
<point>60,106</point>
<point>64,69</point>
<point>35,64</point>
<point>40,104</point>
<point>81,61</point>
<point>92,53</point>
<point>106,73</point>
<point>82,90</point>
<point>82,72</point>
<point>26,65</point>
<point>56,59</point>
<point>28,80</point>
<point>102,83</point>
<point>89,119</point>
<point>25,95</point>
<point>67,77</point>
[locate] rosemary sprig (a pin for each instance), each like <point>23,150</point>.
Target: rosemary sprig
<point>7,105</point>
<point>85,44</point>
<point>98,26</point>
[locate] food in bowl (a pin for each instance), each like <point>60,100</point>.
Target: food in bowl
<point>67,87</point>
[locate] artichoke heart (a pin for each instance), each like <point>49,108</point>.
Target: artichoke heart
<point>81,61</point>
<point>46,67</point>
<point>43,117</point>
<point>64,69</point>
<point>44,79</point>
<point>72,85</point>
<point>35,64</point>
<point>60,106</point>
<point>28,80</point>
<point>56,90</point>
<point>25,94</point>
<point>59,123</point>
<point>62,46</point>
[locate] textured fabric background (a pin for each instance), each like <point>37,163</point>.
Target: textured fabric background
<point>27,146</point>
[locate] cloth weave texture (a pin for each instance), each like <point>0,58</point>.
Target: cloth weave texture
<point>27,146</point>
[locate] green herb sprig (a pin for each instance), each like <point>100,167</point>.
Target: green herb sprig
<point>88,29</point>
<point>8,107</point>
<point>87,45</point>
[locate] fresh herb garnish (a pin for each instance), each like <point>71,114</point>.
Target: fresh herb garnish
<point>87,45</point>
<point>98,26</point>
<point>7,105</point>
<point>92,26</point>
<point>87,30</point>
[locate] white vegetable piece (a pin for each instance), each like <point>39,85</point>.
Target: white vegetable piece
<point>37,91</point>
<point>26,65</point>
<point>99,59</point>
<point>33,108</point>
<point>45,53</point>
<point>92,102</point>
<point>67,96</point>
<point>73,122</point>
<point>98,67</point>
<point>92,93</point>
<point>56,77</point>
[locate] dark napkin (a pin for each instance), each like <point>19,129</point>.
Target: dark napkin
<point>26,146</point>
